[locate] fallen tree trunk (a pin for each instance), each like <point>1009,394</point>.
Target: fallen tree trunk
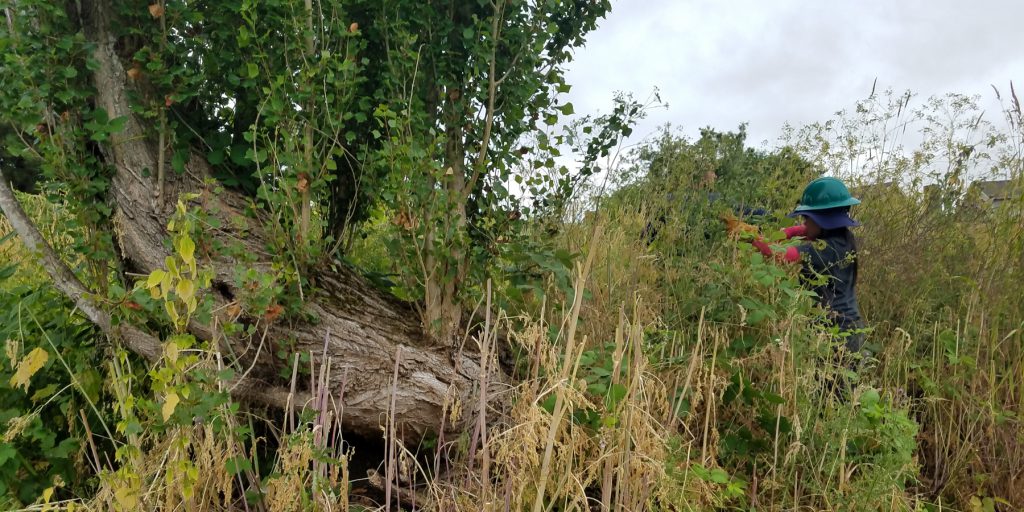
<point>359,331</point>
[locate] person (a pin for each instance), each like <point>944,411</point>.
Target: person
<point>828,255</point>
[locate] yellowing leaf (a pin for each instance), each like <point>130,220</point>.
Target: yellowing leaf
<point>172,266</point>
<point>975,504</point>
<point>171,351</point>
<point>187,248</point>
<point>165,285</point>
<point>155,278</point>
<point>28,367</point>
<point>170,403</point>
<point>172,311</point>
<point>185,289</point>
<point>47,495</point>
<point>126,498</point>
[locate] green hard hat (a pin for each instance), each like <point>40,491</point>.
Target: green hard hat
<point>825,193</point>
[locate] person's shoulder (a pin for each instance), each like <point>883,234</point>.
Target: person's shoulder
<point>841,241</point>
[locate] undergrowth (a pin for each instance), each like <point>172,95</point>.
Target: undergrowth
<point>677,371</point>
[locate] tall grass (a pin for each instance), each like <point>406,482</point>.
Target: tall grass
<point>686,374</point>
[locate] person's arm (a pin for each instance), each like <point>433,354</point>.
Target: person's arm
<point>791,254</point>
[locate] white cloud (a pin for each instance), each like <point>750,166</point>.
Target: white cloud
<point>720,63</point>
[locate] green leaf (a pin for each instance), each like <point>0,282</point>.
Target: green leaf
<point>44,392</point>
<point>100,116</point>
<point>243,36</point>
<point>756,316</point>
<point>116,124</point>
<point>549,403</point>
<point>237,464</point>
<point>7,452</point>
<point>252,70</point>
<point>617,393</point>
<point>215,157</point>
<point>719,476</point>
<point>870,397</point>
<point>178,161</point>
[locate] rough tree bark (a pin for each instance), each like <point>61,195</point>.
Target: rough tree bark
<point>363,327</point>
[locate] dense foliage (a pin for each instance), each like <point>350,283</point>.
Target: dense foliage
<point>655,362</point>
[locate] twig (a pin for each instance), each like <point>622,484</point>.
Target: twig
<point>92,443</point>
<point>391,462</point>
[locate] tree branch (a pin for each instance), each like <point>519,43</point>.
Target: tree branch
<point>63,278</point>
<point>137,341</point>
<point>492,90</point>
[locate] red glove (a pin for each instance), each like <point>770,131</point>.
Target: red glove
<point>798,230</point>
<point>792,255</point>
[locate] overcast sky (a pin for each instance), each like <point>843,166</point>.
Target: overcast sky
<point>722,62</point>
